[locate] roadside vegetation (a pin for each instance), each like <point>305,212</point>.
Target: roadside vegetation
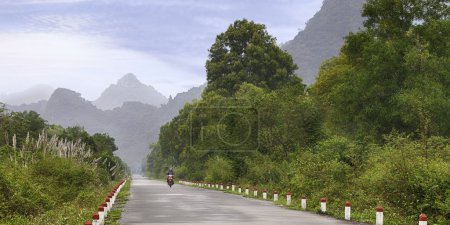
<point>373,129</point>
<point>50,174</point>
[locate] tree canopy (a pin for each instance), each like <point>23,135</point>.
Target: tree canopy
<point>394,74</point>
<point>246,53</point>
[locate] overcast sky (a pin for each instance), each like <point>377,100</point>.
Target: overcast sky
<point>85,45</point>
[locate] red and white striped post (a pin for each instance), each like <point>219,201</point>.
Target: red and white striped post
<point>101,214</point>
<point>111,196</point>
<point>348,207</point>
<point>247,191</point>
<point>423,219</point>
<point>108,202</point>
<point>264,194</point>
<point>255,193</point>
<point>288,198</point>
<point>379,216</point>
<point>275,196</point>
<point>303,202</point>
<point>323,205</point>
<point>105,209</point>
<point>96,219</point>
<point>233,187</point>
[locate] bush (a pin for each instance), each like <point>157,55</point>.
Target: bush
<point>412,175</point>
<point>63,177</point>
<point>219,170</point>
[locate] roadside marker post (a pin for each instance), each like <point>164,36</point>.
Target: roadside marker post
<point>379,215</point>
<point>348,206</point>
<point>423,219</point>
<point>288,198</point>
<point>323,205</point>
<point>303,202</point>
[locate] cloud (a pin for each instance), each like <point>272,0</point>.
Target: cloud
<point>94,42</point>
<point>83,63</point>
<point>62,23</point>
<point>17,2</point>
<point>217,5</point>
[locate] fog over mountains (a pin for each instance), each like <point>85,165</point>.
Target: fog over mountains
<point>129,88</point>
<point>28,96</point>
<point>134,123</point>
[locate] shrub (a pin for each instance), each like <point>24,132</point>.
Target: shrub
<point>219,170</point>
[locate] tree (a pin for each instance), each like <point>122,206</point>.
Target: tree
<point>78,133</point>
<point>391,18</point>
<point>394,75</point>
<point>247,53</point>
<point>21,124</point>
<point>104,144</point>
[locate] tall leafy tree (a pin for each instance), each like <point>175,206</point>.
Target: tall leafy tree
<point>247,53</point>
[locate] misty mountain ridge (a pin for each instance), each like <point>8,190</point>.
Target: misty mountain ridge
<point>134,125</point>
<point>129,89</point>
<point>31,95</point>
<point>324,35</point>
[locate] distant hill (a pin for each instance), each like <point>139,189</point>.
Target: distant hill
<point>67,108</point>
<point>31,95</point>
<point>129,89</point>
<point>324,35</point>
<point>134,125</point>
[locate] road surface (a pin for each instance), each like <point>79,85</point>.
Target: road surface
<point>153,202</point>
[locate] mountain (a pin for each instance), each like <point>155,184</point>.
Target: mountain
<point>134,125</point>
<point>31,95</point>
<point>129,89</point>
<point>67,108</point>
<point>324,35</point>
<point>175,104</point>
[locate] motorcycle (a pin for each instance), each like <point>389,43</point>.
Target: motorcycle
<point>170,181</point>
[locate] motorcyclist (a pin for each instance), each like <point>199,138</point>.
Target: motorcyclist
<point>170,177</point>
<point>170,172</point>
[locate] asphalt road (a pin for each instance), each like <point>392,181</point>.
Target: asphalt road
<point>153,202</point>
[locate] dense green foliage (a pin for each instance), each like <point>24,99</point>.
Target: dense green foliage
<point>247,53</point>
<point>373,129</point>
<point>52,180</point>
<point>394,75</point>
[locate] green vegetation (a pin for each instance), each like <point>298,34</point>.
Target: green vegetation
<point>52,175</point>
<point>247,53</point>
<point>373,129</point>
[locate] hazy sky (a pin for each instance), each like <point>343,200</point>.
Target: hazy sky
<point>85,45</point>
